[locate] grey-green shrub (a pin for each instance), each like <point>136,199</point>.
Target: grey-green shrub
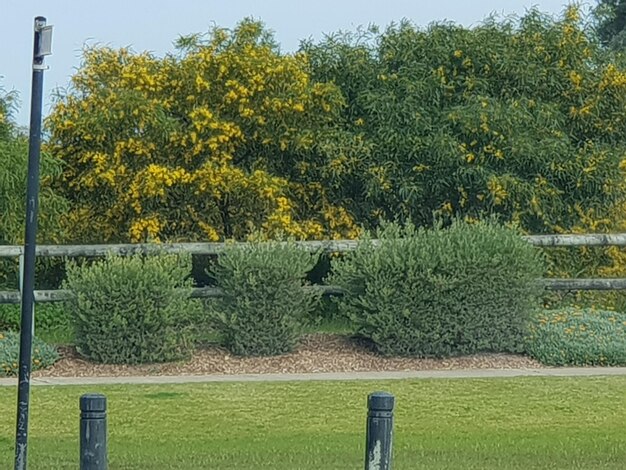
<point>132,310</point>
<point>265,300</point>
<point>441,292</point>
<point>578,337</point>
<point>43,354</point>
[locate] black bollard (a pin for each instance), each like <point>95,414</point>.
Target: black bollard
<point>379,433</point>
<point>93,432</point>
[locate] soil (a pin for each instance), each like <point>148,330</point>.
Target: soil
<point>316,353</point>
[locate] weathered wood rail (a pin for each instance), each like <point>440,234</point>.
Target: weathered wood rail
<point>75,251</point>
<point>328,246</point>
<point>60,295</point>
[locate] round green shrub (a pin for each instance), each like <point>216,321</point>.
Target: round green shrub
<point>265,302</point>
<point>441,292</point>
<point>578,337</point>
<point>44,355</point>
<point>132,310</point>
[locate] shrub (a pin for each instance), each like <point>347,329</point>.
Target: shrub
<point>265,300</point>
<point>441,292</point>
<point>132,309</point>
<point>9,317</point>
<point>52,317</point>
<point>48,317</point>
<point>44,355</point>
<point>578,337</point>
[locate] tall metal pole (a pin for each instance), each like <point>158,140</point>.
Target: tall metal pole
<point>41,48</point>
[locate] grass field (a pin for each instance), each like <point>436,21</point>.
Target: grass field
<point>525,423</point>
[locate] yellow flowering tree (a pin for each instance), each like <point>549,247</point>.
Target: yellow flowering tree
<point>197,145</point>
<point>523,118</point>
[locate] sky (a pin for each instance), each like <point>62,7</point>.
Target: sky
<point>154,25</point>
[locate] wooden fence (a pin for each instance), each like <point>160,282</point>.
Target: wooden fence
<point>331,246</point>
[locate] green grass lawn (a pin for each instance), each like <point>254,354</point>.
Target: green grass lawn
<point>526,423</point>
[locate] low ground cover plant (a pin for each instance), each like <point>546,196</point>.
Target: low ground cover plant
<point>578,337</point>
<point>43,355</point>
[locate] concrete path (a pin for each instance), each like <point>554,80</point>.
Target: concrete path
<point>423,374</point>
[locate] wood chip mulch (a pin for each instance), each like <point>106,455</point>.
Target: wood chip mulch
<point>316,353</point>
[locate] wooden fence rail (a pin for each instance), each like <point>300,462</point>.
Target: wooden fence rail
<point>328,246</point>
<point>60,295</point>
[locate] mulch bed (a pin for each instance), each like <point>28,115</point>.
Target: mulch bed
<point>316,353</point>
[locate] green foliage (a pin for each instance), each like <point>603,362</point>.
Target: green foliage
<point>43,356</point>
<point>13,169</point>
<point>578,337</point>
<point>14,158</point>
<point>521,118</point>
<point>187,146</point>
<point>610,17</point>
<point>265,302</point>
<point>48,317</point>
<point>132,310</point>
<point>52,317</point>
<point>441,292</point>
<point>9,317</point>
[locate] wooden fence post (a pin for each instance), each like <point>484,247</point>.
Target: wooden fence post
<point>21,283</point>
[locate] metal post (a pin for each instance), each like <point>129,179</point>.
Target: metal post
<point>41,48</point>
<point>379,434</point>
<point>93,432</point>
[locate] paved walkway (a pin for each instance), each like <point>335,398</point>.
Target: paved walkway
<point>423,374</point>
